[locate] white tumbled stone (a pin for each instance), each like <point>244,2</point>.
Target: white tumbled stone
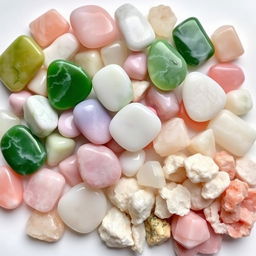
<point>135,28</point>
<point>38,84</point>
<point>233,133</point>
<point>113,87</point>
<point>7,121</point>
<point>203,98</point>
<point>134,127</point>
<point>41,118</point>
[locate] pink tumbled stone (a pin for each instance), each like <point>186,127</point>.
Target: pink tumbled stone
<point>11,188</point>
<point>17,100</point>
<point>228,75</point>
<point>69,169</point>
<point>190,230</point>
<point>136,66</point>
<point>114,146</point>
<point>165,103</point>
<point>99,167</point>
<point>93,26</point>
<point>48,27</point>
<point>66,125</point>
<point>43,190</point>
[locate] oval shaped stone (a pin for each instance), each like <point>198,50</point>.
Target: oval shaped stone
<point>22,150</point>
<point>93,121</point>
<point>203,98</point>
<point>67,126</point>
<point>67,84</point>
<point>99,167</point>
<point>82,209</point>
<point>166,67</point>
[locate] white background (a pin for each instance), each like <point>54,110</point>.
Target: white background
<point>15,15</point>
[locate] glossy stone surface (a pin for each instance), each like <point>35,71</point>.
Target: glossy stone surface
<point>11,189</point>
<point>166,67</point>
<point>22,151</point>
<point>93,26</point>
<point>134,127</point>
<point>17,100</point>
<point>67,84</point>
<point>93,121</point>
<point>139,89</point>
<point>98,165</point>
<point>112,96</point>
<point>165,103</point>
<point>40,116</point>
<point>82,209</point>
<point>43,190</point>
<point>20,62</point>
<point>114,146</point>
<point>38,84</point>
<point>227,44</point>
<point>7,121</point>
<point>228,75</point>
<point>58,148</point>
<point>67,126</point>
<point>192,42</point>
<point>46,227</point>
<point>47,27</point>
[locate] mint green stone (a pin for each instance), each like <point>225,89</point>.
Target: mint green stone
<point>166,67</point>
<point>20,62</point>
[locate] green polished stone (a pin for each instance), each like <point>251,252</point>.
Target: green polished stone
<point>166,67</point>
<point>67,84</point>
<point>20,62</point>
<point>22,150</point>
<point>192,42</point>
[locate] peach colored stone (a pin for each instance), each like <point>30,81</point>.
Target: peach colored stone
<point>250,201</point>
<point>93,26</point>
<point>226,163</point>
<point>228,75</point>
<point>136,66</point>
<point>116,148</point>
<point>11,188</point>
<point>230,217</point>
<point>17,100</point>
<point>43,190</point>
<point>227,44</point>
<point>69,169</point>
<point>239,229</point>
<point>46,28</point>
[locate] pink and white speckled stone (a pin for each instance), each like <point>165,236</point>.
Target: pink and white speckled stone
<point>67,126</point>
<point>17,100</point>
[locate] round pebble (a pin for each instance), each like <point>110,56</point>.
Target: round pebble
<point>66,125</point>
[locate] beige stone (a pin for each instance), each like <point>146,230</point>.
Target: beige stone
<point>139,89</point>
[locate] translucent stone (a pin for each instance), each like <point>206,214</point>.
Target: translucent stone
<point>46,227</point>
<point>82,209</point>
<point>203,143</point>
<point>7,120</point>
<point>232,133</point>
<point>227,44</point>
<point>139,89</point>
<point>151,175</point>
<point>90,61</point>
<point>38,84</point>
<point>162,19</point>
<point>172,138</point>
<point>115,53</point>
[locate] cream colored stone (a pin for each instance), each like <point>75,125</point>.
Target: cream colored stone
<point>162,19</point>
<point>115,53</point>
<point>161,210</point>
<point>89,60</point>
<point>139,89</point>
<point>46,227</point>
<point>139,237</point>
<point>38,84</point>
<point>203,143</point>
<point>172,138</point>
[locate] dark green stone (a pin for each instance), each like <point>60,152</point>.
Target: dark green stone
<point>192,42</point>
<point>22,150</point>
<point>67,84</point>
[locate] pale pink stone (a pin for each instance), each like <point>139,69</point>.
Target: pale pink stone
<point>43,190</point>
<point>114,146</point>
<point>136,66</point>
<point>226,163</point>
<point>48,27</point>
<point>227,44</point>
<point>11,188</point>
<point>93,26</point>
<point>17,100</point>
<point>69,169</point>
<point>99,167</point>
<point>228,75</point>
<point>66,125</point>
<point>165,103</point>
<point>190,230</point>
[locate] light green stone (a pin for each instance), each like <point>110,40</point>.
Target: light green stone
<point>20,62</point>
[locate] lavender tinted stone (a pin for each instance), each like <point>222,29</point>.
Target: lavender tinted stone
<point>93,121</point>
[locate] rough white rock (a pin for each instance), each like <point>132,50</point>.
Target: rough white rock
<point>172,164</point>
<point>161,210</point>
<point>139,237</point>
